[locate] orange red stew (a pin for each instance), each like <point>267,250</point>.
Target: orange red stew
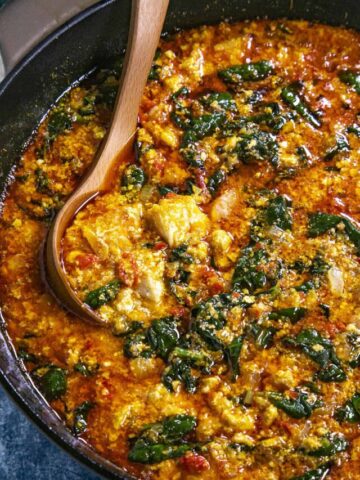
<point>224,261</point>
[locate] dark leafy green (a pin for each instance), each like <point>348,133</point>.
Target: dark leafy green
<point>196,357</point>
<point>351,78</point>
<point>291,96</point>
<point>232,353</point>
<point>330,445</point>
<point>186,189</point>
<point>180,254</point>
<point>215,181</point>
<point>202,126</point>
<point>355,129</point>
<point>159,339</point>
<point>257,146</point>
<point>59,122</point>
<point>247,72</point>
<point>42,182</point>
<point>145,452</point>
<point>271,117</point>
<point>179,287</point>
<point>101,296</point>
<point>318,265</point>
<point>180,370</point>
<point>307,339</point>
<point>319,473</point>
<point>155,68</point>
<point>219,100</point>
<point>181,114</point>
<point>299,407</point>
<point>325,309</point>
<point>163,440</point>
<point>321,351</point>
<point>248,274</point>
<point>163,336</point>
<point>88,107</point>
<point>304,155</point>
<point>133,178</point>
<point>210,316</point>
<point>331,373</point>
<point>81,413</point>
<point>354,341</point>
<point>341,145</point>
<point>278,214</point>
<point>306,286</point>
<point>294,314</point>
<point>350,411</point>
<point>353,233</point>
<point>320,223</point>
<point>241,447</point>
<point>263,335</point>
<point>52,381</point>
<point>196,129</point>
<point>86,369</point>
<point>25,355</point>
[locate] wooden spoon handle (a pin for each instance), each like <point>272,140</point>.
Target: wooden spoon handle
<point>147,20</point>
<point>146,23</point>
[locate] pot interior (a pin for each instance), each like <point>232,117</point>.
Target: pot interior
<point>91,39</point>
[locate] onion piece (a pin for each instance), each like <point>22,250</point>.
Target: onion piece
<point>336,281</point>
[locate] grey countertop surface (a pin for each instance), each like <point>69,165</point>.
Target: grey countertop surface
<point>27,454</point>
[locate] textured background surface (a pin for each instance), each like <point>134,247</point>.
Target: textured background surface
<point>23,23</point>
<point>26,454</point>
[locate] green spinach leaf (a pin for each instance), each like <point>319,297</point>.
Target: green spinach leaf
<point>299,407</point>
<point>291,96</point>
<point>278,214</point>
<point>163,336</point>
<point>319,473</point>
<point>247,72</point>
<point>133,178</point>
<point>248,274</point>
<point>180,370</point>
<point>101,296</point>
<point>59,122</point>
<point>263,335</point>
<point>351,78</point>
<point>350,411</point>
<point>163,440</point>
<point>320,223</point>
<point>330,445</point>
<point>294,314</point>
<point>81,413</point>
<point>341,145</point>
<point>232,353</point>
<point>52,381</point>
<point>257,146</point>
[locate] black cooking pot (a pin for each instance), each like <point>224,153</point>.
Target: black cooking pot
<point>90,39</point>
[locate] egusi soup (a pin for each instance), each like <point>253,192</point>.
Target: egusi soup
<point>224,260</point>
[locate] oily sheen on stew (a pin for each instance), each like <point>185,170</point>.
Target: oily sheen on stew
<point>225,260</point>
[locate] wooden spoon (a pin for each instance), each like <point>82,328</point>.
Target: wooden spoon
<point>147,19</point>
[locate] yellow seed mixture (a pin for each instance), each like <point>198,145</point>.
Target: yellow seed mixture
<point>225,260</point>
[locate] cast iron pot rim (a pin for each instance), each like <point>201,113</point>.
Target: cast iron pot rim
<point>97,463</point>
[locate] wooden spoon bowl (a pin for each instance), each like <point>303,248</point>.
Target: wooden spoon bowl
<point>147,20</point>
